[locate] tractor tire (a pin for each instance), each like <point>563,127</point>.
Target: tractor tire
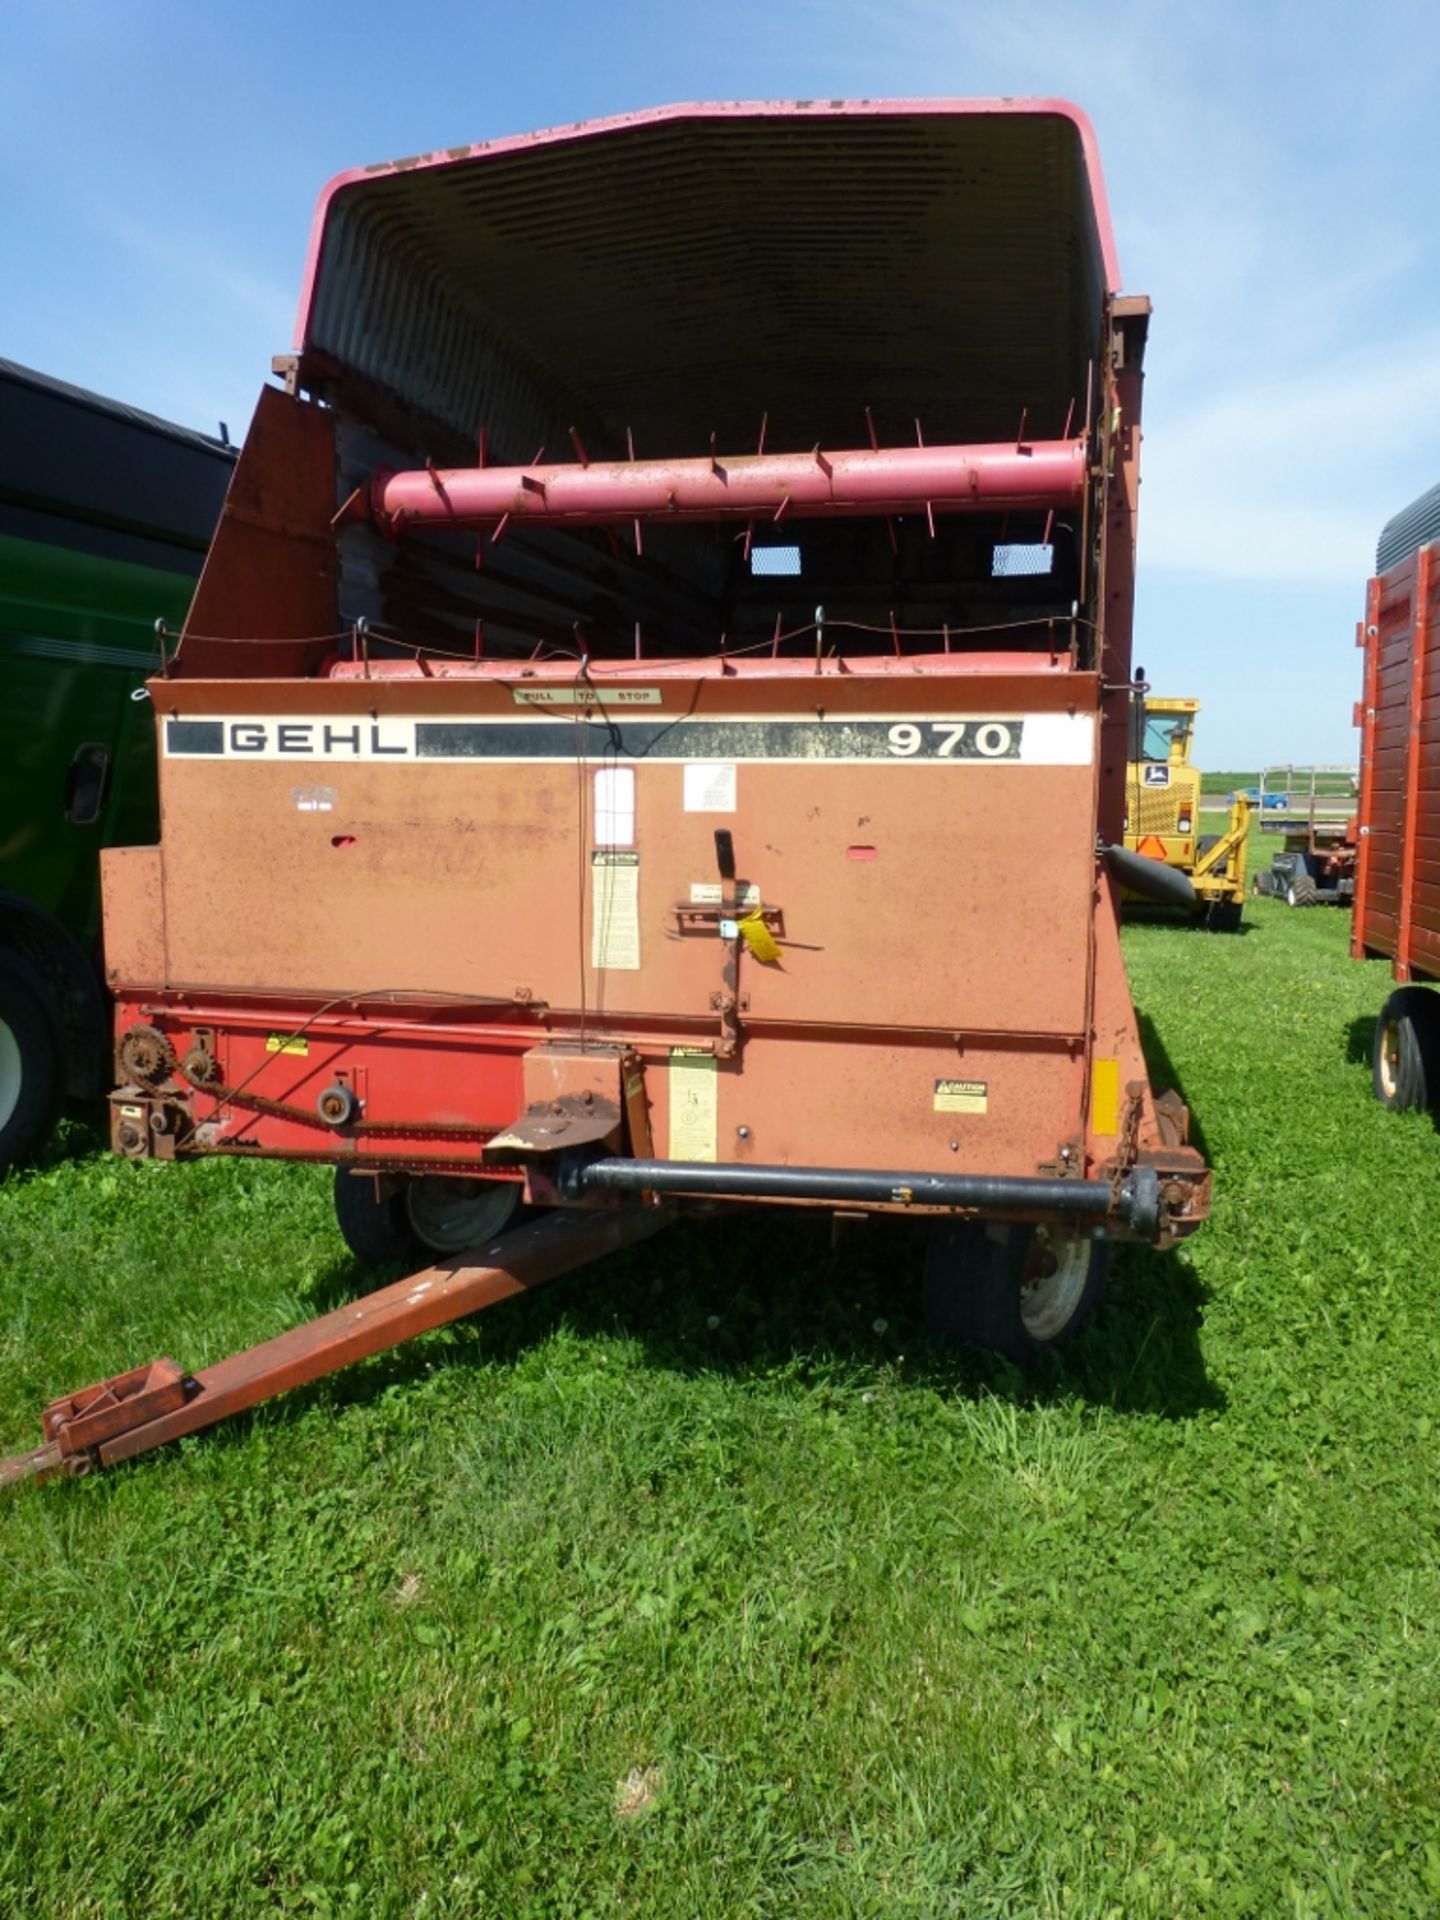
<point>375,1227</point>
<point>1011,1289</point>
<point>1301,892</point>
<point>1405,1056</point>
<point>1262,883</point>
<point>31,1063</point>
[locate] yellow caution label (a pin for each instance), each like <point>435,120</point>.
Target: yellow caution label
<point>962,1096</point>
<point>694,1104</point>
<point>758,937</point>
<point>286,1043</point>
<point>1104,1096</point>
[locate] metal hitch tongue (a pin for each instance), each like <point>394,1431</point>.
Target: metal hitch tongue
<point>119,1418</point>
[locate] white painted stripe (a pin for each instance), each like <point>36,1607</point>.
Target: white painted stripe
<point>1058,740</point>
<point>927,739</point>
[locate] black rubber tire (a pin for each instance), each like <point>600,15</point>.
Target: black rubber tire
<point>32,1050</point>
<point>1262,883</point>
<point>1301,892</point>
<point>1223,916</point>
<point>376,1230</point>
<point>974,1281</point>
<point>1405,1053</point>
<point>502,1199</point>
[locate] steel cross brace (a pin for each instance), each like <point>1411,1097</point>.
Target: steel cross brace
<point>133,1412</point>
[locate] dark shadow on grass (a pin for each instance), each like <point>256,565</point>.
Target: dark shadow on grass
<point>1360,1040</point>
<point>1164,1077</point>
<point>768,1298</point>
<point>1137,916</point>
<point>77,1135</point>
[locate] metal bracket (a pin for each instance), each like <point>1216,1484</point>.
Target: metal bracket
<point>707,918</point>
<point>574,1120</point>
<point>728,1044</point>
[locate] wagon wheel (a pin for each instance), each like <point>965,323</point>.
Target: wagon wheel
<point>1301,891</point>
<point>449,1215</point>
<point>389,1217</point>
<point>370,1213</point>
<point>1405,1056</point>
<point>1017,1290</point>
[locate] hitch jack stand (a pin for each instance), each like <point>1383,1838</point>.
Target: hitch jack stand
<point>133,1412</point>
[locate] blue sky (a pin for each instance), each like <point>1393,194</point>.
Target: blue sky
<point>1272,173</point>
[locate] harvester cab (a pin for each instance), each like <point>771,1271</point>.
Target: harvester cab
<point>1163,792</point>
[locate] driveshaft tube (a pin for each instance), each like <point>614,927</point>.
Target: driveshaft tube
<point>1137,1203</point>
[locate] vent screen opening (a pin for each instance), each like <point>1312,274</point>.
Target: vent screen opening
<point>1009,562</point>
<point>772,562</point>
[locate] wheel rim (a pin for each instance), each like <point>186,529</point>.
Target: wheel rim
<point>12,1072</point>
<point>1050,1300</point>
<point>451,1215</point>
<point>1389,1059</point>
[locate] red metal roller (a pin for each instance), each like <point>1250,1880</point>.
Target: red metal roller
<point>1043,476</point>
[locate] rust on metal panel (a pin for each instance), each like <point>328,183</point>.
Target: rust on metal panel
<point>133,901</point>
<point>268,583</point>
<point>83,1420</point>
<point>559,1070</point>
<point>1029,1108</point>
<point>556,1126</point>
<point>942,835</point>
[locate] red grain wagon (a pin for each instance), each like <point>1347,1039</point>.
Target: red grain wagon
<point>1397,881</point>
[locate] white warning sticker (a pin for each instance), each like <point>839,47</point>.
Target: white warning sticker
<point>615,912</point>
<point>694,1104</point>
<point>707,893</point>
<point>710,786</point>
<point>962,1096</point>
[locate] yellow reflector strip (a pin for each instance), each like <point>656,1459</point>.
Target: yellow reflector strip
<point>1104,1096</point>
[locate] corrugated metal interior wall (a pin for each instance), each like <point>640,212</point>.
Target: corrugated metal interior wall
<point>692,277</point>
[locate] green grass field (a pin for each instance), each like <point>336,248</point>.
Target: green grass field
<point>706,1586</point>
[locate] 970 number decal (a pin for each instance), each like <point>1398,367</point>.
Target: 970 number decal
<point>955,739</point>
